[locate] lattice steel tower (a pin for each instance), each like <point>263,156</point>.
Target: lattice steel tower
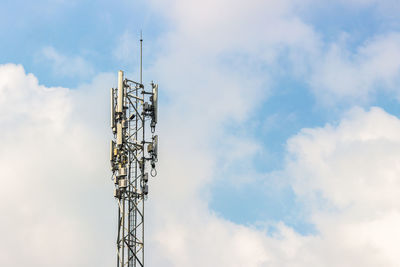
<point>133,150</point>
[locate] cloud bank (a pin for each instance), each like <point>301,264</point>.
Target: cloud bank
<point>216,66</point>
<point>52,200</point>
<point>55,193</point>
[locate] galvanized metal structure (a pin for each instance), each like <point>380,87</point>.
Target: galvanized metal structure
<point>133,151</point>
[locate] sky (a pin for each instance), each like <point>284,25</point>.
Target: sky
<point>279,131</point>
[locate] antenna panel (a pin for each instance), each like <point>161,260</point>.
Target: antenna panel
<point>120,103</point>
<point>112,109</point>
<point>112,147</point>
<point>155,145</point>
<point>155,102</point>
<point>119,134</point>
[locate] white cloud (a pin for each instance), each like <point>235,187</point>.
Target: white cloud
<point>348,176</point>
<point>260,39</point>
<point>354,165</point>
<point>257,27</point>
<point>65,66</point>
<point>49,160</point>
<point>348,77</point>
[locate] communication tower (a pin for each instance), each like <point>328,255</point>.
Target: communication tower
<point>133,152</point>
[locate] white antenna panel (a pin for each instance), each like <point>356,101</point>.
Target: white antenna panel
<point>119,134</point>
<point>120,103</point>
<point>112,109</point>
<point>155,101</point>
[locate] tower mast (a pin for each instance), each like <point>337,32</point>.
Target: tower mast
<point>132,153</point>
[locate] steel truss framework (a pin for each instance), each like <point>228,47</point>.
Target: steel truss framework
<point>130,115</point>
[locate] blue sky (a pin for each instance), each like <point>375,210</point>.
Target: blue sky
<point>268,109</point>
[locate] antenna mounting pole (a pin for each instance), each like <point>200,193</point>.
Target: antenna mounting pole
<point>141,57</point>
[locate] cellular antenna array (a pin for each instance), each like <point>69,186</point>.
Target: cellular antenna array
<point>133,152</point>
